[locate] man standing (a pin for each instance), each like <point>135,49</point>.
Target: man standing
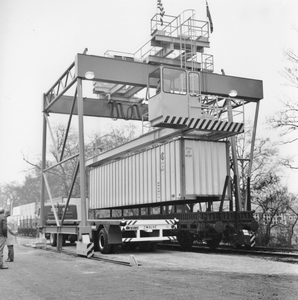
<point>3,235</point>
<point>12,232</point>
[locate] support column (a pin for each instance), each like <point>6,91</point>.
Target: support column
<point>83,224</point>
<point>43,164</point>
<point>235,163</point>
<point>253,139</point>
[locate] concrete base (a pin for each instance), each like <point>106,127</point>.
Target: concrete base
<point>85,248</point>
<point>40,244</point>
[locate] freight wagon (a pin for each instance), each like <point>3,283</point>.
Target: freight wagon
<point>183,179</point>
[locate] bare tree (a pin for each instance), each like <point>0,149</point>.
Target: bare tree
<point>10,193</point>
<point>273,201</point>
<point>60,177</point>
<point>286,119</point>
<point>292,231</point>
<point>112,138</point>
<point>265,159</point>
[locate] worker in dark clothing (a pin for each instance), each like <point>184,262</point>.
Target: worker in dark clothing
<point>3,235</point>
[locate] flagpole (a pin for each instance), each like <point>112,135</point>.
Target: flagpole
<point>209,17</point>
<point>161,11</point>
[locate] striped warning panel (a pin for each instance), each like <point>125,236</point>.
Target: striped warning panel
<point>205,124</point>
<point>252,240</point>
<point>131,223</point>
<point>171,222</point>
<point>126,240</point>
<point>90,250</point>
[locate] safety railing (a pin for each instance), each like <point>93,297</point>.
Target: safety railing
<point>221,109</point>
<point>184,27</point>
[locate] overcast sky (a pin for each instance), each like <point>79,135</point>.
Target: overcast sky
<point>40,38</point>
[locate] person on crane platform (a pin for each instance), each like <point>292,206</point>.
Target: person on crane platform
<point>3,235</point>
<point>12,232</point>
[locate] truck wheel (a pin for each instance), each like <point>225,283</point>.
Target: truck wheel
<point>103,244</point>
<point>64,239</point>
<point>72,239</point>
<point>214,242</point>
<point>53,239</point>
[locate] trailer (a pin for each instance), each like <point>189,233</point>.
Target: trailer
<point>179,179</point>
<point>26,218</point>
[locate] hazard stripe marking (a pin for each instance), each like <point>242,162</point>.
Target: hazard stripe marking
<point>208,124</point>
<point>252,240</point>
<point>215,124</point>
<point>205,124</point>
<point>90,250</point>
<point>185,121</point>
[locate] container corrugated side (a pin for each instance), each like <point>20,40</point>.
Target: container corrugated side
<point>166,172</point>
<point>205,168</point>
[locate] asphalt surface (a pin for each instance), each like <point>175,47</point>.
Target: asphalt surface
<point>46,274</point>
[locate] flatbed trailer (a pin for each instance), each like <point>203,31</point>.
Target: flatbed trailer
<point>107,233</point>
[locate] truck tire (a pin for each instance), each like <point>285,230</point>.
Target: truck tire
<point>103,244</point>
<point>53,239</point>
<point>214,242</point>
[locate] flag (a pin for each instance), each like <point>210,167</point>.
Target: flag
<point>161,11</point>
<point>209,17</point>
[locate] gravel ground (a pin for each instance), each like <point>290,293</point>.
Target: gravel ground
<point>39,274</point>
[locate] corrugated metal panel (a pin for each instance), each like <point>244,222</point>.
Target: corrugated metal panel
<point>171,171</point>
<point>16,211</point>
<point>205,168</point>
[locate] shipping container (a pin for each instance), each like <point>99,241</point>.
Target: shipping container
<point>26,216</point>
<point>182,169</point>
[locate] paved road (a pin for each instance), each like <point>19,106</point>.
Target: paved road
<point>40,274</point>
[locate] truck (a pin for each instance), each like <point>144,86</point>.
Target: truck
<point>179,180</point>
<point>28,217</point>
<point>72,217</point>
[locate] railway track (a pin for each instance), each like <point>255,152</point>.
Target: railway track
<point>285,255</point>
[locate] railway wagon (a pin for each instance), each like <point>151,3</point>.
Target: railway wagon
<point>185,179</point>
